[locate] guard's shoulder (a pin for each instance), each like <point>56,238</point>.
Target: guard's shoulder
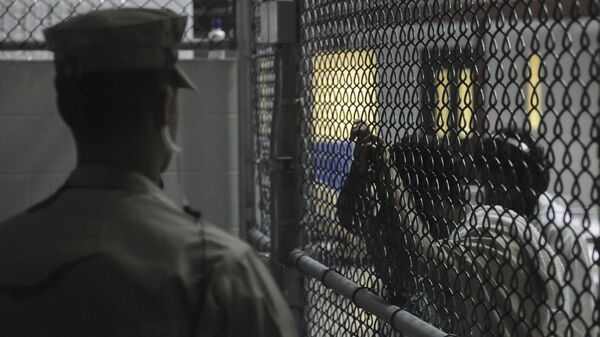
<point>223,243</point>
<point>13,223</point>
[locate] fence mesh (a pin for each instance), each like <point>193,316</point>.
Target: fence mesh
<point>334,315</point>
<point>22,21</point>
<point>450,162</point>
<point>264,103</point>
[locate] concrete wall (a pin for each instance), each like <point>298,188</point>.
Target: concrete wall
<point>37,149</point>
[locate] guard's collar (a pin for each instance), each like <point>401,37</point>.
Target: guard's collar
<point>108,177</point>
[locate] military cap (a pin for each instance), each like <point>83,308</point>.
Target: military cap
<point>119,39</point>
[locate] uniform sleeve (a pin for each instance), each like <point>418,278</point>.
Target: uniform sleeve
<point>570,245</point>
<point>506,259</point>
<point>361,198</point>
<point>354,204</point>
<point>243,300</point>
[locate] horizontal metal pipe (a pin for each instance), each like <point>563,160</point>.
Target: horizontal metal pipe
<point>258,240</point>
<point>400,319</point>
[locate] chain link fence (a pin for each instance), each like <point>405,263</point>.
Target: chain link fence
<point>450,163</point>
<point>264,103</point>
<point>22,22</point>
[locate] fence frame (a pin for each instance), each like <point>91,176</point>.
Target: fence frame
<point>286,180</point>
<point>245,39</point>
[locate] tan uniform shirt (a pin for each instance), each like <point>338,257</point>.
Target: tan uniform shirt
<point>566,235</point>
<point>166,275</point>
<point>505,278</point>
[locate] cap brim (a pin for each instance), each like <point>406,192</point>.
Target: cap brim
<point>182,80</point>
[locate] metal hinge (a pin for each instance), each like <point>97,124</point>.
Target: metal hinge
<point>282,164</point>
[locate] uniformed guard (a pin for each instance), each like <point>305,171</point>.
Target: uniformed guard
<point>109,254</point>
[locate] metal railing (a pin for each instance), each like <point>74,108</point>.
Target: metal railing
<point>23,21</point>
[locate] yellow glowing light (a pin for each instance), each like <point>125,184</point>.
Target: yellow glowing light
<point>465,103</point>
<point>344,88</point>
<point>442,111</point>
<point>534,93</point>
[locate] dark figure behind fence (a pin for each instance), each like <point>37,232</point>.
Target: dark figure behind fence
<point>502,278</point>
<point>365,209</point>
<point>514,155</point>
<point>479,270</point>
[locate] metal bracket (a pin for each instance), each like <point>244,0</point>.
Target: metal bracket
<point>278,22</point>
<point>282,164</point>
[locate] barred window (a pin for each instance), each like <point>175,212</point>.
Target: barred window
<point>449,92</point>
<point>534,92</point>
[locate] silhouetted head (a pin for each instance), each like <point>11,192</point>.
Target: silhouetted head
<point>513,169</point>
<point>116,83</point>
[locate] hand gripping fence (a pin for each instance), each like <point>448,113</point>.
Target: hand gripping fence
<point>442,156</point>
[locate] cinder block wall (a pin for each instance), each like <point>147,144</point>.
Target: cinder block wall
<point>37,150</point>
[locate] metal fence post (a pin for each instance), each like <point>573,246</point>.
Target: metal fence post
<point>285,151</point>
<point>245,38</point>
<point>278,27</point>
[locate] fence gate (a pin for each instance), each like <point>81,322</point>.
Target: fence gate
<point>431,167</point>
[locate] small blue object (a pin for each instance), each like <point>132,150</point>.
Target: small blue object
<point>331,162</point>
<point>217,23</point>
